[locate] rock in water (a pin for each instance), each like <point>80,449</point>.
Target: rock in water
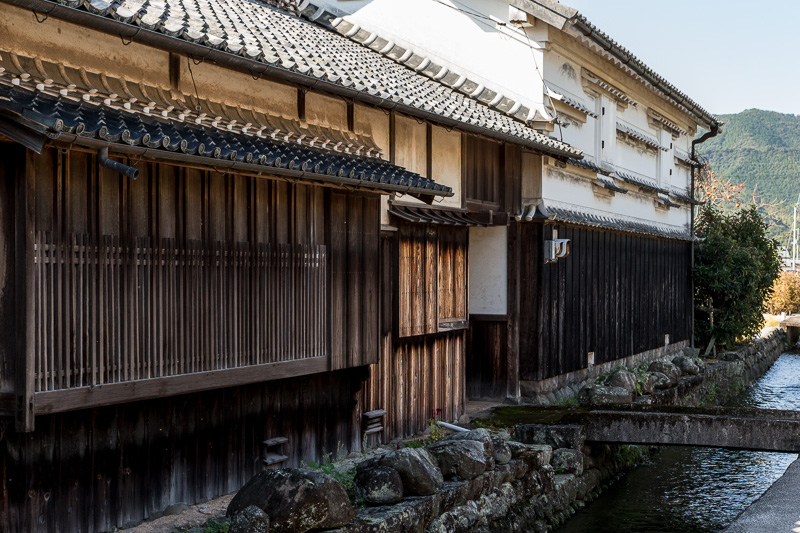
<point>379,485</point>
<point>417,469</point>
<point>686,365</point>
<point>668,369</point>
<point>250,520</point>
<point>624,379</point>
<point>461,458</point>
<point>296,500</point>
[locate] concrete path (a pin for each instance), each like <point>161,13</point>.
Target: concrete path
<point>778,509</point>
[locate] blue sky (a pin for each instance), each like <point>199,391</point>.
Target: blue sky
<point>727,55</point>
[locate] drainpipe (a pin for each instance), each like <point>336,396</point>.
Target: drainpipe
<point>125,170</point>
<point>713,132</point>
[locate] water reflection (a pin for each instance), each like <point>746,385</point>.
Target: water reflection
<point>697,489</point>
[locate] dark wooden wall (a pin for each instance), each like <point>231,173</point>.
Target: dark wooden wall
<point>185,270</point>
<point>97,469</point>
<point>616,294</point>
<point>486,358</point>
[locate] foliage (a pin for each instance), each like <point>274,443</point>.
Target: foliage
<point>436,431</point>
<point>760,149</point>
<point>786,294</point>
<point>567,402</point>
<point>337,469</point>
<point>735,267</point>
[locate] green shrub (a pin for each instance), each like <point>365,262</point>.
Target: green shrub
<point>735,268</point>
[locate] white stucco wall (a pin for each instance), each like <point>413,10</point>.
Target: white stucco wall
<point>488,275</point>
<point>474,38</point>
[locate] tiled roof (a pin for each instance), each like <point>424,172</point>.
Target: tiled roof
<point>571,103</point>
<point>639,181</point>
<point>685,158</point>
<point>547,211</point>
<point>642,137</point>
<point>582,218</point>
<point>608,183</point>
<point>588,165</point>
<point>83,121</point>
<point>680,195</point>
<point>269,37</point>
<point>491,96</point>
<point>432,215</point>
<point>664,200</point>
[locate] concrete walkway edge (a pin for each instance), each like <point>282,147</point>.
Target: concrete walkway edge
<point>777,510</point>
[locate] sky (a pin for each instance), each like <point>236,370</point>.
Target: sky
<point>726,55</point>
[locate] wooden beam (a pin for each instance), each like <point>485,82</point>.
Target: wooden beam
<point>145,389</point>
<point>24,290</point>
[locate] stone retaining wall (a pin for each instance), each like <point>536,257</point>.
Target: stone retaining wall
<point>531,482</point>
<point>562,388</point>
<point>723,380</point>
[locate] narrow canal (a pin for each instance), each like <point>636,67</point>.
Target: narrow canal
<point>688,489</point>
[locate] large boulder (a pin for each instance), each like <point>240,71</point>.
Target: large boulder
<point>691,352</point>
<point>624,379</point>
<point>378,485</point>
<point>566,461</point>
<point>295,500</point>
<point>660,381</point>
<point>686,365</point>
<point>251,520</point>
<point>481,435</point>
<point>464,459</point>
<point>668,369</point>
<point>597,395</point>
<point>417,469</point>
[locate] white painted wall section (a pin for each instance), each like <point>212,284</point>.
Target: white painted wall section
<point>488,275</point>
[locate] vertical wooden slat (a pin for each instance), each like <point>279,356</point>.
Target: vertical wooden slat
<point>25,292</point>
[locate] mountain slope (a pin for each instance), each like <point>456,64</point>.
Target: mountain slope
<point>762,150</point>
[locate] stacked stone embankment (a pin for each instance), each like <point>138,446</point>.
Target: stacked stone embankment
<point>529,478</point>
<point>687,379</point>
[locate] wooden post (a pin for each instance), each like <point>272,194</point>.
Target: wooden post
<point>513,288</point>
<point>24,279</point>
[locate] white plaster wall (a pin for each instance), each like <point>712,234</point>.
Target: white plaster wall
<point>488,277</point>
<point>496,54</point>
<point>564,188</point>
<point>635,157</point>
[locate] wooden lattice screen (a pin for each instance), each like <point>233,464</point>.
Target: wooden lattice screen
<point>108,312</point>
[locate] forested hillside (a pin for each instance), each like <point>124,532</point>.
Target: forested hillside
<point>762,150</point>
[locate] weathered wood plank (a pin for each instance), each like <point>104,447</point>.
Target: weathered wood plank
<point>106,394</point>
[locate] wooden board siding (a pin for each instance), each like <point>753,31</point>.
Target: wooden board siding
<point>354,247</point>
<point>452,280</point>
<point>414,378</point>
<point>432,278</point>
<point>97,469</point>
<point>486,362</point>
<point>417,375</point>
<point>482,172</point>
<point>13,158</point>
<point>617,294</point>
<point>186,271</point>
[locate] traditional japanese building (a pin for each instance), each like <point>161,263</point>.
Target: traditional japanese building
<point>229,231</point>
<point>583,264</point>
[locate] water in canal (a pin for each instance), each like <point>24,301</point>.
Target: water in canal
<point>697,489</point>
